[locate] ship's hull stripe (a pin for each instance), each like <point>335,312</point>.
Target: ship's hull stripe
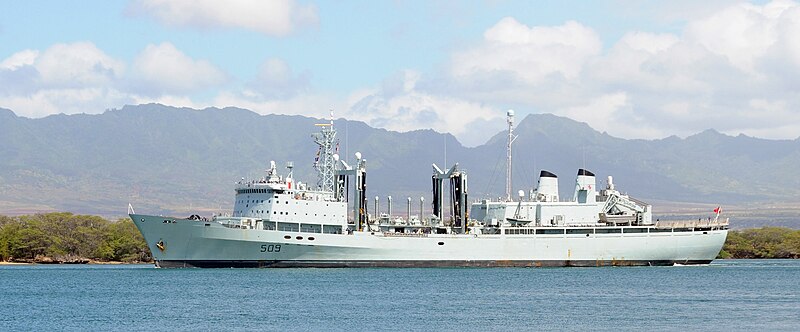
<point>418,263</point>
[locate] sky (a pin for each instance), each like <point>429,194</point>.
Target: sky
<point>633,69</point>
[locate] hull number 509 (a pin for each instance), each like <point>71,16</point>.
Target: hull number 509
<point>271,248</point>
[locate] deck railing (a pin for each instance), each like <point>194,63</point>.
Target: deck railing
<point>716,222</point>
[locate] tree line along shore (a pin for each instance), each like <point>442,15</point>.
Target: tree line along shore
<point>67,238</point>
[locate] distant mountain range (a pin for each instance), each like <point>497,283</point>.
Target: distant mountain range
<point>164,159</point>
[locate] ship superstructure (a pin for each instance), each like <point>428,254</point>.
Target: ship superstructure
<point>280,222</point>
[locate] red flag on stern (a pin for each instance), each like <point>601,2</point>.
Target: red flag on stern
<point>718,210</point>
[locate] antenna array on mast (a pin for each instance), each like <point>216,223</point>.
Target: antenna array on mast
<point>324,162</point>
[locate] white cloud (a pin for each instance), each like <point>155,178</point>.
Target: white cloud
<point>77,65</point>
<point>530,53</point>
<point>274,18</point>
<point>45,102</point>
<point>646,85</point>
<point>80,78</point>
<point>163,69</point>
<point>602,112</point>
<point>741,33</point>
<point>396,105</point>
<point>400,106</point>
<point>19,59</point>
<point>64,78</point>
<point>276,80</point>
<point>735,69</point>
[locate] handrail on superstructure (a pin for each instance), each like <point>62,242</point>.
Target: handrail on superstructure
<point>692,223</point>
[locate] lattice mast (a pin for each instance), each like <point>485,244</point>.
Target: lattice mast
<point>324,162</point>
<point>510,118</point>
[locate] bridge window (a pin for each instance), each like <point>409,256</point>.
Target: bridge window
<point>288,227</point>
<point>330,229</point>
<point>635,230</point>
<point>311,228</point>
<point>580,231</point>
<point>550,231</point>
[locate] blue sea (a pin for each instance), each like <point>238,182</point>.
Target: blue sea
<point>727,295</point>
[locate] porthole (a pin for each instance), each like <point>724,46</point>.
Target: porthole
<point>299,237</point>
<point>287,237</point>
<point>311,238</point>
<point>441,243</point>
<point>142,219</point>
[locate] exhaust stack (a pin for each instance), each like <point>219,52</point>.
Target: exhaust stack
<point>585,189</point>
<point>547,189</point>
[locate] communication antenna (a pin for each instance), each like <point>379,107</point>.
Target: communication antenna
<point>511,138</point>
<point>445,149</point>
<point>583,149</point>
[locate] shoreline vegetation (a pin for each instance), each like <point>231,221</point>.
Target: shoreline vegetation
<point>66,238</point>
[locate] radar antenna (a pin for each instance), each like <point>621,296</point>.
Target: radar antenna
<point>324,162</point>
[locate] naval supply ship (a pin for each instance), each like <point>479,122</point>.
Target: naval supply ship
<point>278,221</point>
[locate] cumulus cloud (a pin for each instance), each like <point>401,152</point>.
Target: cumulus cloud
<point>273,18</point>
<point>81,78</point>
<point>532,53</point>
<point>163,69</point>
<point>276,80</point>
<point>526,56</point>
<point>400,106</point>
<point>735,69</point>
<point>64,78</point>
<point>19,59</point>
<point>77,64</point>
<point>708,76</point>
<point>396,104</point>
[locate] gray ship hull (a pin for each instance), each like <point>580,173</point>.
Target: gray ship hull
<point>193,243</point>
<point>419,263</point>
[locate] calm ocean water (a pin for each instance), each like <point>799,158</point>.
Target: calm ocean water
<point>756,295</point>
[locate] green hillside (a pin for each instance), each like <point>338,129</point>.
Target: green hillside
<point>165,159</point>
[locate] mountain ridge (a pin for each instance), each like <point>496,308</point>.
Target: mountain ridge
<point>165,158</point>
